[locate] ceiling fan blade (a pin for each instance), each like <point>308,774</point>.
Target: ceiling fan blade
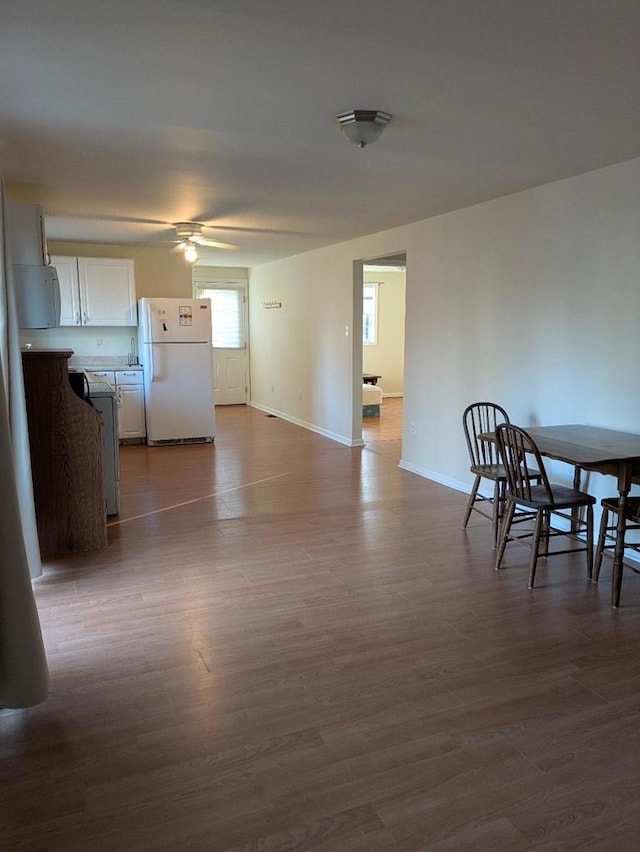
<point>205,241</point>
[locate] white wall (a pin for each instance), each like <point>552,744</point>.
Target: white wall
<point>302,353</point>
<point>220,273</point>
<point>386,357</point>
<point>531,300</point>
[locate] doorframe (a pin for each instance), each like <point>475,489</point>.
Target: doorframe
<point>357,345</point>
<point>213,282</point>
<point>356,355</point>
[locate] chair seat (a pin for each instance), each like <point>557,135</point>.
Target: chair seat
<point>497,471</point>
<point>611,504</point>
<point>489,471</point>
<point>563,498</point>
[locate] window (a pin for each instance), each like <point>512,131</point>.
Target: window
<point>226,316</point>
<point>370,313</point>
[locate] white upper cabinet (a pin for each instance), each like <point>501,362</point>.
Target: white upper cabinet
<point>107,291</point>
<point>96,291</point>
<point>67,269</point>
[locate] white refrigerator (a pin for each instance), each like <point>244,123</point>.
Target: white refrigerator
<point>174,337</point>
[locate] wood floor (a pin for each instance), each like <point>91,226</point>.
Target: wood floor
<point>383,433</point>
<point>293,645</point>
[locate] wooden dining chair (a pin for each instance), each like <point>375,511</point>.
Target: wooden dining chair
<point>479,422</point>
<point>540,501</point>
<point>609,532</point>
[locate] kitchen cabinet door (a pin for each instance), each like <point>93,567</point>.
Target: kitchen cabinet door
<point>107,291</point>
<point>67,269</point>
<point>131,422</point>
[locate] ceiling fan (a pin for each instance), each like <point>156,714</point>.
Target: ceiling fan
<point>182,236</point>
<point>193,231</point>
<point>190,235</point>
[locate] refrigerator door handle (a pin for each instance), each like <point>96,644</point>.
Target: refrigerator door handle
<point>152,363</point>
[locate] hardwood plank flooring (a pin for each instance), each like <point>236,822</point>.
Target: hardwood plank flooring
<point>383,433</point>
<point>289,644</point>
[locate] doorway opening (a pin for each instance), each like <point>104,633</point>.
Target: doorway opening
<point>229,344</point>
<point>383,331</point>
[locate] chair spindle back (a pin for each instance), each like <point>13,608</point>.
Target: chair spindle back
<point>515,448</point>
<point>482,418</point>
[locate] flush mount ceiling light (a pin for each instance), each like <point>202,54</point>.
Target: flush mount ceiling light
<point>362,126</point>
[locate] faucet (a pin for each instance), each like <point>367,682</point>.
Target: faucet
<point>133,356</point>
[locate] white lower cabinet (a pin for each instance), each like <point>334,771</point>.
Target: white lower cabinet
<point>96,291</point>
<point>129,385</point>
<point>131,422</point>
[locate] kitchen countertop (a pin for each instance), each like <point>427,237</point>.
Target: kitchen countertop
<point>112,367</point>
<point>84,362</point>
<point>102,362</point>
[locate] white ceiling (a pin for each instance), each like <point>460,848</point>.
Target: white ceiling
<point>123,117</point>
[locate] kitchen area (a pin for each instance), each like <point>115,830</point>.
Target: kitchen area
<point>147,383</point>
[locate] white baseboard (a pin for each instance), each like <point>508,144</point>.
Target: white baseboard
<point>341,439</point>
<point>435,477</point>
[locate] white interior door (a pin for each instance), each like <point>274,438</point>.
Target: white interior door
<point>229,338</point>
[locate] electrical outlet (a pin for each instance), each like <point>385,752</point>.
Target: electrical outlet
<point>413,429</point>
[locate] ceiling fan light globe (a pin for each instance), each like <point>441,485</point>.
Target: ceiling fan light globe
<point>190,253</point>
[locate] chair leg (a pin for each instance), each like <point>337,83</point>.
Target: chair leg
<point>541,522</point>
<point>618,563</point>
<point>471,501</point>
<point>505,526</point>
<point>604,523</point>
<point>498,508</point>
<point>589,542</point>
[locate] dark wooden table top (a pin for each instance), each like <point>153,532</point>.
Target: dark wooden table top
<point>586,446</point>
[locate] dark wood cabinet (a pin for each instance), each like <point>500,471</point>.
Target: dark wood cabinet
<point>66,457</point>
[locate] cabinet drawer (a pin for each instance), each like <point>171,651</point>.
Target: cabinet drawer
<point>101,375</point>
<point>128,377</point>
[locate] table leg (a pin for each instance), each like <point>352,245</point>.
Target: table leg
<point>575,513</point>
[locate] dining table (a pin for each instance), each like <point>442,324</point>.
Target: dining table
<point>606,451</point>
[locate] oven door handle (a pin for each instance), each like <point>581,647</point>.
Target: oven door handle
<point>86,388</point>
